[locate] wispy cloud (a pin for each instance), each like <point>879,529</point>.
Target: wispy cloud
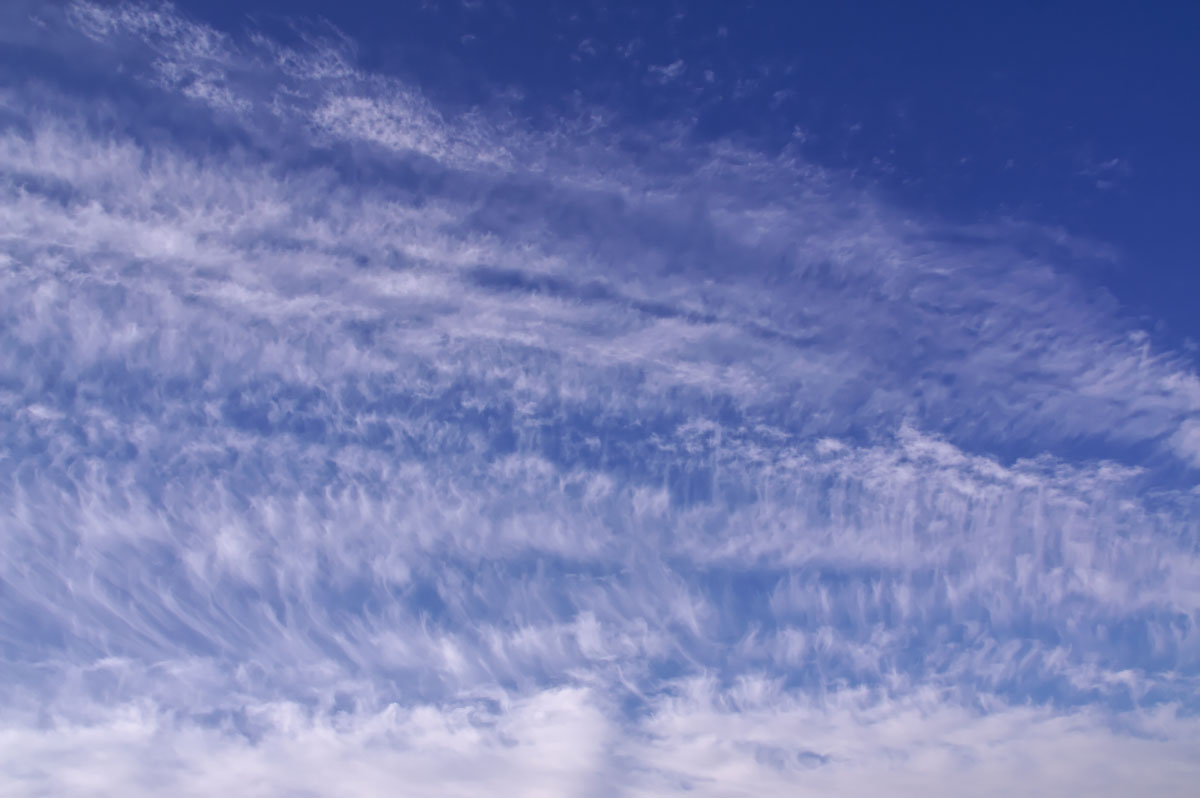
<point>349,435</point>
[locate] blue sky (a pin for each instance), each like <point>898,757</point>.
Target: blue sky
<point>639,401</point>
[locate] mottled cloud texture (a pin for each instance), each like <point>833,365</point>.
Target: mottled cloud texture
<point>357,446</point>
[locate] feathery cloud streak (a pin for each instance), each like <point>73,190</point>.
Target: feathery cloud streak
<point>352,441</point>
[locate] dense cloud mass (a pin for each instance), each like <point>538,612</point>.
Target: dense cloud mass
<point>354,446</point>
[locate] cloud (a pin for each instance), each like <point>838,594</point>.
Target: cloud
<point>668,72</point>
<point>350,435</point>
<point>551,743</point>
<point>697,741</point>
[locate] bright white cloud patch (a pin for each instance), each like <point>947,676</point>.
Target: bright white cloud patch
<point>349,444</point>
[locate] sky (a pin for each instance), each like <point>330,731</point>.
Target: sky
<point>720,399</point>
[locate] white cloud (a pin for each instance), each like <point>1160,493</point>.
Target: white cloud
<point>666,73</point>
<point>447,481</point>
<point>749,740</point>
